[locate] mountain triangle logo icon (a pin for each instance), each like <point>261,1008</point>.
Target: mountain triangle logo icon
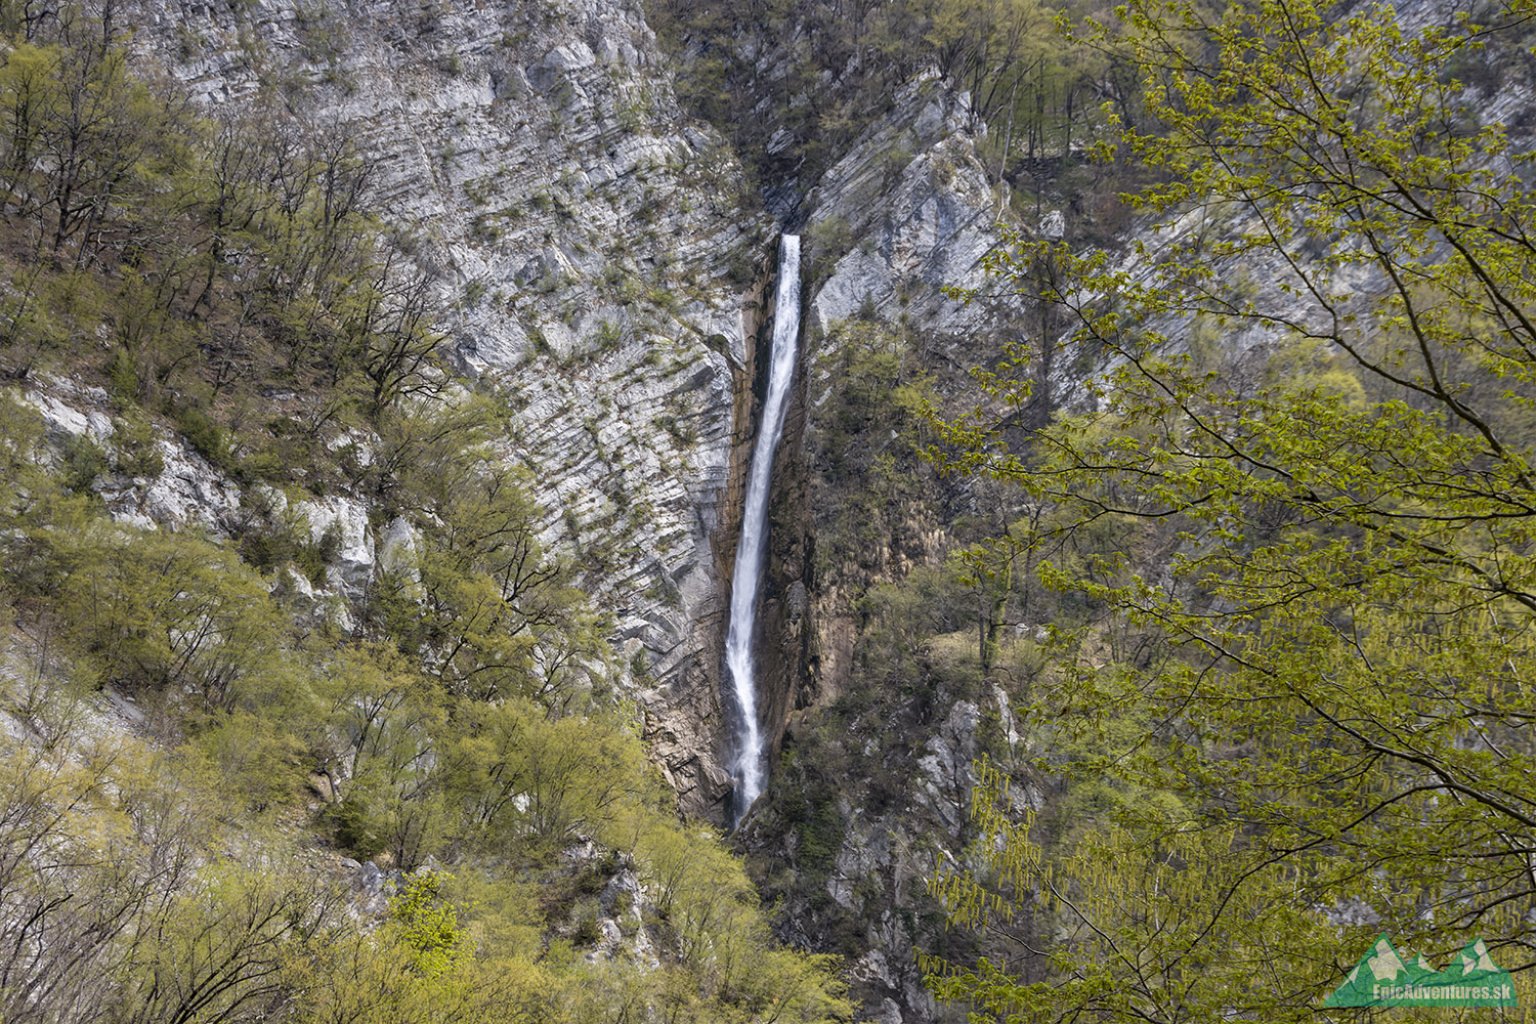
<point>1385,977</point>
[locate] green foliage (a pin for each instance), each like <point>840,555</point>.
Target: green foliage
<point>829,240</point>
<point>110,904</point>
<point>863,448</point>
<point>419,767</point>
<point>84,462</point>
<point>518,772</point>
<point>1039,93</point>
<point>502,613</point>
<point>135,453</point>
<point>216,258</point>
<point>428,924</point>
<point>163,612</point>
<point>710,909</point>
<point>271,539</point>
<point>219,277</point>
<point>205,436</point>
<point>1294,692</point>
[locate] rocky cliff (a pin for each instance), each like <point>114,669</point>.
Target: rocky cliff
<point>603,263</point>
<point>876,762</point>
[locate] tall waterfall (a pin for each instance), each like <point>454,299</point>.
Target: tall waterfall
<point>747,579</point>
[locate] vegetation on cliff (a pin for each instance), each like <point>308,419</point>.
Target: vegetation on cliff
<point>195,740</point>
<point>1227,577</point>
<point>797,81</point>
<point>1294,510</point>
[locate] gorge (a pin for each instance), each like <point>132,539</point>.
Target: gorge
<point>752,546</point>
<point>429,505</point>
<point>557,493</point>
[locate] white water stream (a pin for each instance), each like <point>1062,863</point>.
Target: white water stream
<point>747,578</point>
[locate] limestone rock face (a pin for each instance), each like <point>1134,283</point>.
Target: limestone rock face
<point>189,489</point>
<point>64,421</point>
<point>341,525</point>
<point>603,266</point>
<point>599,257</point>
<point>398,548</point>
<point>906,212</point>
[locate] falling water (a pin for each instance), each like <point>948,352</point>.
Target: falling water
<point>747,580</point>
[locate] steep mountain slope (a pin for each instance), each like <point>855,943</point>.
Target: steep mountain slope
<point>600,257</point>
<point>602,263</point>
<point>928,623</point>
<point>873,786</point>
<point>604,270</point>
<point>256,524</point>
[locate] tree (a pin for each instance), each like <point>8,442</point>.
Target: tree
<point>166,611</point>
<point>382,737</point>
<point>516,771</point>
<point>1325,536</point>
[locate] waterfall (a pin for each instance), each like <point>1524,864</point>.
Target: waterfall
<point>751,549</point>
